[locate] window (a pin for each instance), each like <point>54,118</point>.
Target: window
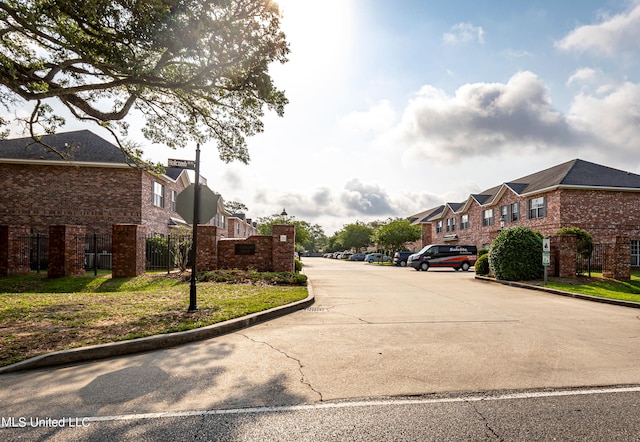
<point>158,194</point>
<point>464,222</point>
<point>504,214</point>
<point>439,227</point>
<point>173,200</point>
<point>487,217</point>
<point>537,207</point>
<point>635,253</point>
<point>451,224</point>
<point>515,212</point>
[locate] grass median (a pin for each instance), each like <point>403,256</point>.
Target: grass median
<point>40,315</point>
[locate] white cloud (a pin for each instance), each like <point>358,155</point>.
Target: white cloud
<point>613,117</point>
<point>366,199</point>
<point>464,33</point>
<point>484,119</point>
<point>583,76</point>
<point>378,118</point>
<point>620,33</point>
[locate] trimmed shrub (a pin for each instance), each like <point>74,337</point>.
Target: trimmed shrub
<point>298,265</point>
<point>482,264</point>
<point>516,255</point>
<point>482,252</point>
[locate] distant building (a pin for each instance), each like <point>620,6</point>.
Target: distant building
<point>599,199</point>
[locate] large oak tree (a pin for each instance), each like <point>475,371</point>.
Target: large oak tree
<point>195,70</point>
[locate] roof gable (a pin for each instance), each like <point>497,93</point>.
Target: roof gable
<point>77,146</point>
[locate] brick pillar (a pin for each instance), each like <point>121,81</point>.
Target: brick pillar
<point>283,240</point>
<point>14,250</point>
<point>617,262</point>
<point>426,234</point>
<point>129,250</point>
<point>564,253</point>
<point>207,251</point>
<point>66,251</point>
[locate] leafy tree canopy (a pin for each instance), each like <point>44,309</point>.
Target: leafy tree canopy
<point>355,236</point>
<point>395,233</point>
<point>303,228</point>
<point>196,70</point>
<point>235,207</point>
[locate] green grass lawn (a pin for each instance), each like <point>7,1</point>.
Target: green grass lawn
<point>40,315</point>
<point>600,287</point>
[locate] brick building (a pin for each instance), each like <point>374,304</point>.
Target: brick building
<point>599,199</point>
<point>94,185</point>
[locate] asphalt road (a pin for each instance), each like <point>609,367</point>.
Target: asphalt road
<point>374,332</point>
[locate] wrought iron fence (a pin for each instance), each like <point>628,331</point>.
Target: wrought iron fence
<point>38,245</point>
<point>168,252</point>
<point>591,260</point>
<point>162,252</point>
<point>98,252</point>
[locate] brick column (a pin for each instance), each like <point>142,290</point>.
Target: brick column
<point>129,250</point>
<point>617,262</point>
<point>283,240</point>
<point>426,234</point>
<point>66,251</point>
<point>14,250</point>
<point>564,253</point>
<point>207,250</point>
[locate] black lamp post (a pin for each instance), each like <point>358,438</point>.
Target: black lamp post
<point>284,215</point>
<point>502,221</point>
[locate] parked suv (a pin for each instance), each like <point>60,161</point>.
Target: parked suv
<point>444,255</point>
<point>400,258</point>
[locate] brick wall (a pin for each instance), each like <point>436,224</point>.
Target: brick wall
<point>261,260</point>
<point>40,196</point>
<point>207,248</point>
<point>601,213</point>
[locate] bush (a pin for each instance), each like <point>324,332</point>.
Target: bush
<point>234,276</point>
<point>516,255</point>
<point>482,264</point>
<point>298,265</point>
<point>482,252</point>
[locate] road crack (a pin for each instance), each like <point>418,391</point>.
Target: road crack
<point>303,378</point>
<point>484,419</point>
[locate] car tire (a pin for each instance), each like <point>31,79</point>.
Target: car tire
<point>424,266</point>
<point>465,266</point>
<point>417,269</point>
<point>403,263</point>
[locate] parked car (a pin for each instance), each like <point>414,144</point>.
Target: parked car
<point>357,257</point>
<point>377,257</point>
<point>345,255</point>
<point>400,258</point>
<point>457,256</point>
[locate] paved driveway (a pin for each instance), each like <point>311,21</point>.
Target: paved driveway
<point>374,330</point>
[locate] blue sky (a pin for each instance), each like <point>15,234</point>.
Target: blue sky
<point>399,106</point>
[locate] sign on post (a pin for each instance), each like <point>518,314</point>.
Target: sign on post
<point>208,204</point>
<point>184,164</point>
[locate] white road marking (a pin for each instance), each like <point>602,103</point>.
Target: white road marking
<point>362,404</point>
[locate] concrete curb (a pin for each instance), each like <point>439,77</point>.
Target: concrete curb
<point>156,342</point>
<point>619,302</point>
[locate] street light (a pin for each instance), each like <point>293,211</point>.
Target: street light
<point>284,215</point>
<point>502,221</point>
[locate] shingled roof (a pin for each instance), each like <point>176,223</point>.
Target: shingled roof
<point>572,174</point>
<point>77,146</point>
